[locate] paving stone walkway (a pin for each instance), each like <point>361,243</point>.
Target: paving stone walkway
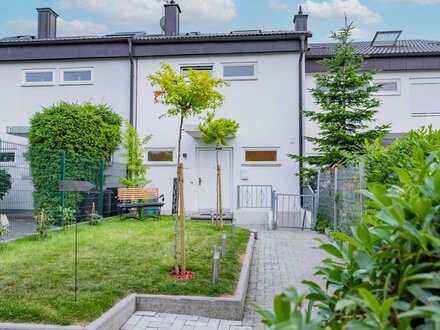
<point>281,259</point>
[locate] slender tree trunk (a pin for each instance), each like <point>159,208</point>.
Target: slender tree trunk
<point>220,199</point>
<point>182,220</point>
<point>179,208</point>
<point>216,187</point>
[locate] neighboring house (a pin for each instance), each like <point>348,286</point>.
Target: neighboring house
<point>266,74</point>
<point>409,71</point>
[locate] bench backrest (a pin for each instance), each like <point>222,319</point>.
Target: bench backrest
<point>130,194</point>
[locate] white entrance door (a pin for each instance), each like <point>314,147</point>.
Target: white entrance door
<point>207,178</point>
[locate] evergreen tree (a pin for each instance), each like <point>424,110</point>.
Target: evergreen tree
<point>344,94</point>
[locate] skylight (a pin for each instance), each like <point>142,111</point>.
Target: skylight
<point>385,38</point>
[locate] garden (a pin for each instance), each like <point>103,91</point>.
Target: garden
<point>115,258</point>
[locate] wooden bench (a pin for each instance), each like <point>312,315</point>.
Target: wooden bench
<point>139,199</point>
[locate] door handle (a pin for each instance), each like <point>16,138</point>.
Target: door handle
<point>200,181</point>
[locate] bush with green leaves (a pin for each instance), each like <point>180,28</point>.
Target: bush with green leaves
<point>135,149</point>
<point>43,221</point>
<point>5,182</point>
<point>380,160</point>
<point>85,133</point>
<point>387,274</point>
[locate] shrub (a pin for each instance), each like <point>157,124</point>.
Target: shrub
<point>43,222</point>
<point>5,182</point>
<point>387,275</point>
<point>380,160</point>
<point>86,133</point>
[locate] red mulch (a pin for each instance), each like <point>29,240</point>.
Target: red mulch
<point>182,275</point>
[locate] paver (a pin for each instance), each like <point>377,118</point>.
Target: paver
<point>281,259</point>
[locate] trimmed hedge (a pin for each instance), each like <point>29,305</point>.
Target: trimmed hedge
<point>86,132</point>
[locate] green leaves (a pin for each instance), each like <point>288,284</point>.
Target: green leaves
<point>134,158</point>
<point>5,182</point>
<point>217,130</point>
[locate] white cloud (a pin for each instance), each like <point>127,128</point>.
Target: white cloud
<point>64,27</point>
<point>335,10</point>
<point>76,27</point>
<point>420,2</point>
<point>361,35</point>
<point>139,13</point>
<point>278,5</point>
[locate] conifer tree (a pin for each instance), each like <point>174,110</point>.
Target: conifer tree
<point>344,94</point>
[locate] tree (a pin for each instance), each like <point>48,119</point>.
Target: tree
<point>185,95</point>
<point>5,182</point>
<point>134,158</point>
<point>216,131</point>
<point>344,94</point>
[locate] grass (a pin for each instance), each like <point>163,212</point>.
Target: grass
<point>115,258</point>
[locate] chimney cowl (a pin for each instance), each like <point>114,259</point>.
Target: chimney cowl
<point>47,23</point>
<point>172,19</point>
<point>300,20</point>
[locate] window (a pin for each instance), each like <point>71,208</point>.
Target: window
<point>240,71</point>
<point>76,76</point>
<point>185,68</point>
<point>389,86</point>
<point>424,96</point>
<point>38,77</point>
<point>262,156</point>
<point>160,156</point>
<point>7,156</point>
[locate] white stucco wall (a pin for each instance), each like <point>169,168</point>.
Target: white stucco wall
<point>266,108</point>
<point>18,103</point>
<point>395,109</point>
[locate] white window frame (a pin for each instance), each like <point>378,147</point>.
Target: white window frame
<point>162,163</point>
<point>424,80</point>
<point>9,151</point>
<point>76,82</point>
<point>382,81</point>
<point>38,83</point>
<point>261,163</point>
<point>226,64</point>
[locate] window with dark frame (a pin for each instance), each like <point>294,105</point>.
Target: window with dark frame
<point>7,157</point>
<point>160,156</point>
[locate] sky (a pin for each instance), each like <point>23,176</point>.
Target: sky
<point>418,19</point>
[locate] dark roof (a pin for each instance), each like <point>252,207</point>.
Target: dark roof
<point>402,48</point>
<point>238,35</point>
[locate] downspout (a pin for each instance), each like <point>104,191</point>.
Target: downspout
<point>130,56</point>
<point>301,105</point>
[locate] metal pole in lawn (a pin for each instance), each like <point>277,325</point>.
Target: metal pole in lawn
<point>76,259</point>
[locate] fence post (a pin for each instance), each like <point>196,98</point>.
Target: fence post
<point>101,187</point>
<point>335,196</point>
<point>62,178</point>
<point>361,187</point>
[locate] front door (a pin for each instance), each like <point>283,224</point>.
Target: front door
<point>207,178</point>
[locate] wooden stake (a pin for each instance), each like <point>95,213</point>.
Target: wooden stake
<point>182,219</point>
<point>220,199</point>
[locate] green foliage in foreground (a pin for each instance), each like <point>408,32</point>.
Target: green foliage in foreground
<point>115,259</point>
<point>387,275</point>
<point>380,160</point>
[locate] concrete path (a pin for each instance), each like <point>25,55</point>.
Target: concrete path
<point>281,259</point>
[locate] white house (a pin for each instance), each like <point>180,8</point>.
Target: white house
<point>266,70</point>
<point>409,71</point>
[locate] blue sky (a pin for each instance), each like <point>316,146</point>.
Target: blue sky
<point>419,19</point>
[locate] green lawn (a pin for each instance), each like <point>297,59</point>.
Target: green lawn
<point>115,258</point>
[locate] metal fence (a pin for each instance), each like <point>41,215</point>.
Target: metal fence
<point>254,196</point>
<point>339,201</point>
<point>31,186</point>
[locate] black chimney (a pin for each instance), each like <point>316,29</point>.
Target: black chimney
<point>172,18</point>
<point>47,23</point>
<point>300,21</point>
